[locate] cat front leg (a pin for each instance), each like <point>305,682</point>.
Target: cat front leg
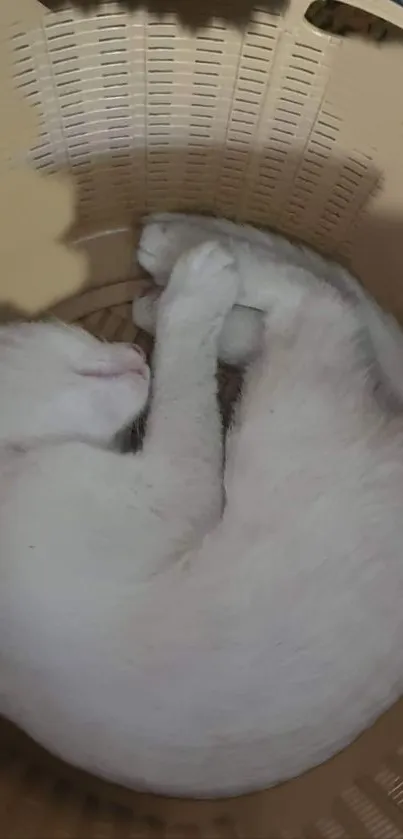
<point>240,338</point>
<point>264,280</point>
<point>145,309</point>
<point>184,428</point>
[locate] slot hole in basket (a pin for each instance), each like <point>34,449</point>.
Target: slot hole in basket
<point>336,18</point>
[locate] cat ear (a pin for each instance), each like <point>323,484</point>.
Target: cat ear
<point>133,361</point>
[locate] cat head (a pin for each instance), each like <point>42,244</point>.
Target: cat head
<point>59,382</point>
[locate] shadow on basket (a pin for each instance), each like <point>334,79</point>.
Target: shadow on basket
<point>321,202</point>
<point>191,15</point>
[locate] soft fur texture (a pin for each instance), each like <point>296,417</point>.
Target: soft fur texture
<point>259,256</point>
<point>240,338</point>
<point>148,637</point>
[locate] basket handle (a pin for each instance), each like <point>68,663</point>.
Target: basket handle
<point>388,10</point>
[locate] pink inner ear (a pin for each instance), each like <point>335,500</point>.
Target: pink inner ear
<point>139,350</point>
<point>125,360</point>
<point>102,373</point>
<point>136,364</point>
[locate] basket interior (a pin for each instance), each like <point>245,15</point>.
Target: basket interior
<point>272,123</point>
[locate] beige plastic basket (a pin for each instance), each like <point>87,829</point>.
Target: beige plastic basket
<point>273,122</point>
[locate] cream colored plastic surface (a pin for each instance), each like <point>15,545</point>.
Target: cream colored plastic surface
<point>277,124</point>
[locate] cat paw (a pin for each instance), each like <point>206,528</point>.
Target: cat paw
<point>165,237</point>
<point>155,252</point>
<point>145,311</point>
<point>241,334</point>
<point>163,240</point>
<point>206,276</point>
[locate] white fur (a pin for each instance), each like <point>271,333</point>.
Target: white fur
<point>145,637</point>
<point>258,257</point>
<point>240,338</point>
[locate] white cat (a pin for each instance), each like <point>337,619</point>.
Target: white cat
<point>259,258</point>
<point>146,636</point>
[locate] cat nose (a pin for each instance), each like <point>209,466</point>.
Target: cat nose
<point>139,351</point>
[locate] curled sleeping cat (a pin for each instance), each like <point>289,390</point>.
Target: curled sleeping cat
<point>145,634</point>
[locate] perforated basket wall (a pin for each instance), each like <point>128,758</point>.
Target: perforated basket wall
<point>276,122</point>
<point>273,122</point>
